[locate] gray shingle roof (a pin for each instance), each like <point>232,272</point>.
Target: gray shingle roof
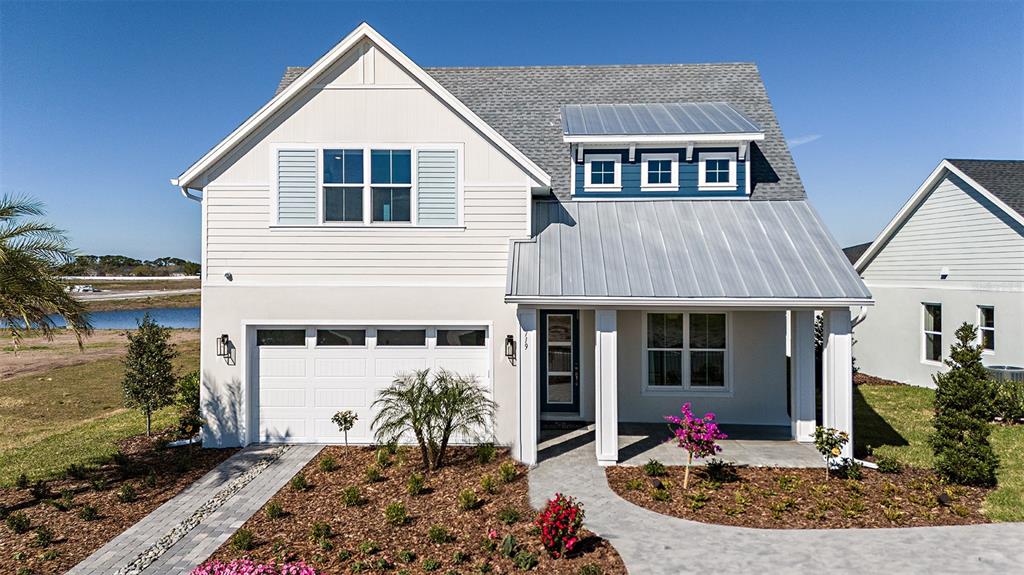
<point>682,118</point>
<point>853,253</point>
<point>680,249</point>
<point>1003,178</point>
<point>522,104</point>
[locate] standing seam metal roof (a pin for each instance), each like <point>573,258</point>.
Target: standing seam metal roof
<point>680,249</point>
<point>678,118</point>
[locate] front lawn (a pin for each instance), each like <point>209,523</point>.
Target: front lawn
<point>72,414</point>
<point>345,519</point>
<point>895,421</point>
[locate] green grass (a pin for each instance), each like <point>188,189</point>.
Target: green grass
<point>70,415</point>
<point>896,422</point>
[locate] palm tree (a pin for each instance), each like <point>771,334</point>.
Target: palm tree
<point>31,289</point>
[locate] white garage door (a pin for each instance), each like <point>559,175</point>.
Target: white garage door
<point>304,375</point>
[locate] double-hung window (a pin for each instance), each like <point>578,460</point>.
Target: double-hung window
<point>391,185</point>
<point>686,352</point>
<point>602,172</point>
<point>659,172</point>
<point>716,171</point>
<point>987,327</point>
<point>932,332</point>
<point>343,185</point>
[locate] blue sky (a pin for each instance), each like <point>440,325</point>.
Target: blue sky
<point>102,103</point>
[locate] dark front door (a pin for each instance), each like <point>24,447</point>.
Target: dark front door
<point>560,361</point>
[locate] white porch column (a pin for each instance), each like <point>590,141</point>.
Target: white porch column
<point>801,369</point>
<point>837,388</point>
<point>528,414</point>
<point>606,384</point>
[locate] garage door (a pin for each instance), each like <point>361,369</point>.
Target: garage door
<point>303,375</point>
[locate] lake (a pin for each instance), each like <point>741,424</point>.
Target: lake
<point>176,317</point>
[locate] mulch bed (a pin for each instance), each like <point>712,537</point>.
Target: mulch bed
<point>155,474</point>
<point>860,378</point>
<point>362,540</point>
<point>775,498</point>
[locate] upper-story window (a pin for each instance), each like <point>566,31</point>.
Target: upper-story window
<point>343,185</point>
<point>603,172</point>
<point>659,172</point>
<point>391,185</point>
<point>717,171</point>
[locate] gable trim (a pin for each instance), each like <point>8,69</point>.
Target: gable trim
<point>945,167</point>
<point>307,78</point>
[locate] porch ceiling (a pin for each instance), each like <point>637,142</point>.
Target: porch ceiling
<point>681,249</point>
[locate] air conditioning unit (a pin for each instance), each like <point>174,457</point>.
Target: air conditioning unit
<point>1003,373</point>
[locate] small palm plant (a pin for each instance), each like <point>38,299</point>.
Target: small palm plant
<point>432,409</point>
<point>32,292</point>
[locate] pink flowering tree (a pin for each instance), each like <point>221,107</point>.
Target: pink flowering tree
<point>250,567</point>
<point>697,435</point>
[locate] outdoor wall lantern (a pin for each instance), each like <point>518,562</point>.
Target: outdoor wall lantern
<point>223,347</point>
<point>510,349</point>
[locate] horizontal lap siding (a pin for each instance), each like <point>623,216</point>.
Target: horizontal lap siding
<point>688,174</point>
<point>955,227</point>
<point>240,241</point>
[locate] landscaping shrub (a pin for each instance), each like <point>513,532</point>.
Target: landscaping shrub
<point>39,490</point>
<point>459,557</point>
<point>395,514</point>
<point>345,420</point>
<point>1009,402</point>
<point>662,495</point>
<point>655,468</point>
<point>850,469</point>
<point>487,484</point>
<point>432,409</point>
<point>697,435</point>
<point>373,474</point>
<point>430,564</point>
<point>18,522</point>
<point>368,548</point>
<point>889,465</point>
<point>468,500</point>
<point>406,556</point>
<point>274,510</point>
<point>508,516</point>
<point>508,472</point>
<point>328,464</point>
<point>590,569</point>
<point>98,484</point>
<point>829,442</point>
<point>187,404</point>
<point>720,471</point>
<point>508,546</point>
<point>75,471</point>
<point>88,513</point>
<point>242,540</point>
<point>352,497</point>
<point>634,484</point>
<point>964,406</point>
<point>416,484</point>
<point>559,523</point>
<point>299,482</point>
<point>524,560</point>
<point>382,457</point>
<point>438,535</point>
<point>250,567</point>
<point>127,493</point>
<point>148,382</point>
<point>486,452</point>
<point>21,482</point>
<point>44,536</point>
<point>320,530</point>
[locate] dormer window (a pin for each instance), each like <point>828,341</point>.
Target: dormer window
<point>603,172</point>
<point>717,171</point>
<point>659,172</point>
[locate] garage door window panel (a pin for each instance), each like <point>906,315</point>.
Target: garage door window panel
<point>281,337</point>
<point>461,337</point>
<point>341,338</point>
<point>401,338</point>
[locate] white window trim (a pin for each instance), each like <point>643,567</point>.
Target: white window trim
<point>672,186</point>
<point>925,333</point>
<point>992,329</point>
<point>588,159</point>
<point>367,186</point>
<point>703,184</point>
<point>686,389</point>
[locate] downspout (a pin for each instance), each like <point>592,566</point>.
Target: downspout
<point>191,196</point>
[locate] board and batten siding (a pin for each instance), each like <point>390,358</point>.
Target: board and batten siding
<point>240,241</point>
<point>957,228</point>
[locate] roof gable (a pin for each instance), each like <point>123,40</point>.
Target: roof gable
<point>300,79</point>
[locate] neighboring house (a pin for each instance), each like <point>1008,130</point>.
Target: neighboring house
<point>594,243</point>
<point>954,253</point>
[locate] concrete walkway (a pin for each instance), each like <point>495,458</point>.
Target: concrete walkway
<point>183,532</point>
<point>651,543</point>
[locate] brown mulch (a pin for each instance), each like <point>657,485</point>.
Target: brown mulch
<point>156,475</point>
<point>861,378</point>
<point>775,498</point>
<point>288,537</point>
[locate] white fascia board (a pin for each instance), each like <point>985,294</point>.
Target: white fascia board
<point>363,31</point>
<point>681,139</point>
<point>940,171</point>
<point>663,302</point>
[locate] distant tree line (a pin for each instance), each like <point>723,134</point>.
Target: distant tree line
<point>86,265</point>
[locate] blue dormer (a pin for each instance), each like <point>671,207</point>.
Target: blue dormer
<point>659,150</point>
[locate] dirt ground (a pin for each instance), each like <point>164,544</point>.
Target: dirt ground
<point>37,354</point>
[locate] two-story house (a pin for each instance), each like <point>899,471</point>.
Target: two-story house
<point>593,243</point>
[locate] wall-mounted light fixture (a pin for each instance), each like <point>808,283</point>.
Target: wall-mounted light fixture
<point>510,349</point>
<point>223,347</point>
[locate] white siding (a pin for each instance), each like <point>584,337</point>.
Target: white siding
<point>955,227</point>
